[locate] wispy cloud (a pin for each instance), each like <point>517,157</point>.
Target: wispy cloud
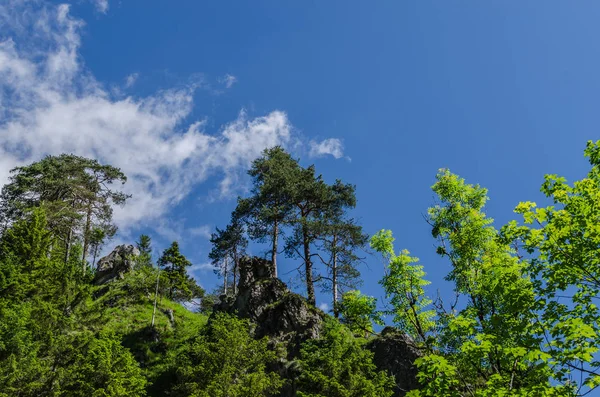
<point>60,107</point>
<point>200,231</point>
<point>131,79</point>
<point>331,146</point>
<point>201,267</point>
<point>324,306</point>
<point>101,5</point>
<point>228,80</point>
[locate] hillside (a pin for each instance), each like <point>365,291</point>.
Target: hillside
<point>524,321</point>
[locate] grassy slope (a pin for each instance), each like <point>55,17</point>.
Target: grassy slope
<point>124,309</point>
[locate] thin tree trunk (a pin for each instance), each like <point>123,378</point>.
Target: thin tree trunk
<point>334,281</point>
<point>225,277</point>
<point>274,253</point>
<point>95,255</point>
<point>310,288</point>
<point>155,298</point>
<point>68,245</point>
<point>86,233</point>
<point>235,267</point>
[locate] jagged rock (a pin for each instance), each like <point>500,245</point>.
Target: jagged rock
<point>395,352</point>
<point>276,311</point>
<point>169,313</point>
<point>120,261</point>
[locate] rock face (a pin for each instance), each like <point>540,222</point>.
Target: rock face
<point>287,318</point>
<point>120,261</point>
<point>396,353</point>
<point>276,311</point>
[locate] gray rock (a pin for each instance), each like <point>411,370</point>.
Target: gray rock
<point>395,352</point>
<point>113,266</point>
<point>278,313</point>
<point>169,313</point>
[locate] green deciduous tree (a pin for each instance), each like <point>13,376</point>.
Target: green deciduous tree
<point>561,244</point>
<point>359,312</point>
<point>489,347</point>
<point>404,284</point>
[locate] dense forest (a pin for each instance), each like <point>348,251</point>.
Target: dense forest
<point>524,321</point>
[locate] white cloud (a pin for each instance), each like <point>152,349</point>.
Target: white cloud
<point>200,231</point>
<point>200,267</point>
<point>331,146</point>
<point>131,79</point>
<point>228,80</point>
<point>324,306</point>
<point>101,5</point>
<point>50,104</point>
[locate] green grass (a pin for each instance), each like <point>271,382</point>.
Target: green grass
<point>124,309</point>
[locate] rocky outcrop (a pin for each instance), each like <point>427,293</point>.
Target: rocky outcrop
<point>278,313</point>
<point>113,266</point>
<point>287,318</point>
<point>395,352</point>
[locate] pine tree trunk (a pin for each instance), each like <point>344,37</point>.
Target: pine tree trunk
<point>274,253</point>
<point>155,298</point>
<point>95,255</point>
<point>86,233</point>
<point>310,288</point>
<point>225,277</point>
<point>68,246</point>
<point>334,280</point>
<point>235,267</point>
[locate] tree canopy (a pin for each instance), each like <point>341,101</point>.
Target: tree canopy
<point>524,321</point>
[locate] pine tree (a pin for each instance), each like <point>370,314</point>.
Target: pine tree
<point>310,198</point>
<point>267,209</point>
<point>338,365</point>
<point>181,287</point>
<point>144,245</point>
<point>74,191</point>
<point>338,239</point>
<point>228,247</point>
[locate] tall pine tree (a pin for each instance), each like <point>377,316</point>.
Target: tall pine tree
<point>267,209</point>
<point>228,247</point>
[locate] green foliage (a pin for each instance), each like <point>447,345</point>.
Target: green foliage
<point>525,323</point>
<point>338,365</point>
<point>359,312</point>
<point>228,247</point>
<point>404,285</point>
<point>144,245</point>
<point>295,202</point>
<point>98,367</point>
<point>42,350</point>
<point>310,197</point>
<point>181,287</point>
<point>490,345</point>
<point>74,191</point>
<point>123,311</point>
<point>226,361</point>
<point>561,244</point>
<point>338,240</point>
<point>270,205</point>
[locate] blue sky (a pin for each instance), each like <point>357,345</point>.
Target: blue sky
<point>182,95</point>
